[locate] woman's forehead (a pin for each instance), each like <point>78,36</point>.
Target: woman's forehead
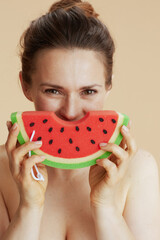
<point>76,65</point>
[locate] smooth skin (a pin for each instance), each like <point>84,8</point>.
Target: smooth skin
<point>118,198</point>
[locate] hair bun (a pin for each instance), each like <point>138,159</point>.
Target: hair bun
<point>67,4</point>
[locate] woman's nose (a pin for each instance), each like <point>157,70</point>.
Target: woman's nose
<point>71,109</point>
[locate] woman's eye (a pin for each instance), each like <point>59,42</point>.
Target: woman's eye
<point>56,92</point>
<point>89,92</point>
<point>53,91</point>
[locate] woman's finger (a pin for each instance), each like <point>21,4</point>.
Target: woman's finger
<point>111,169</point>
<point>9,125</point>
<point>20,154</point>
<point>12,138</point>
<point>28,163</point>
<point>116,150</point>
<point>123,142</point>
<point>129,124</point>
<point>130,142</point>
<point>25,148</point>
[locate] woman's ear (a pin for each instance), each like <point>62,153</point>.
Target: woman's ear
<point>107,93</point>
<point>25,87</point>
<point>108,90</point>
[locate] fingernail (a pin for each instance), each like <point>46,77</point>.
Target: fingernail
<point>38,142</point>
<point>14,126</point>
<point>103,144</point>
<point>125,128</point>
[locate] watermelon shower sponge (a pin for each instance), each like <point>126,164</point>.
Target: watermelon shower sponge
<point>70,145</point>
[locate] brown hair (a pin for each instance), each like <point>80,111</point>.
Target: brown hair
<point>68,24</point>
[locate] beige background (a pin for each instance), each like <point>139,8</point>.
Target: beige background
<point>135,27</point>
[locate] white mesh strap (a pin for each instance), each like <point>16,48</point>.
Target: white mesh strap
<point>39,175</point>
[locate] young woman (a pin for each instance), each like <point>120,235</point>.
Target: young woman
<point>67,58</point>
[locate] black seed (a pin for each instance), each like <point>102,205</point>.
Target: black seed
<point>89,129</point>
<point>113,120</point>
<point>39,138</point>
<point>77,128</point>
<point>62,129</point>
<point>70,140</point>
<point>59,150</point>
<point>92,141</point>
<point>77,149</point>
<point>104,131</point>
<point>50,141</point>
<point>50,129</point>
<point>31,124</point>
<point>101,119</point>
<point>45,120</point>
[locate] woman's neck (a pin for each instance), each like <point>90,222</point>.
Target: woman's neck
<point>67,174</point>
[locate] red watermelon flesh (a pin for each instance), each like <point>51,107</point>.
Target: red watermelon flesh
<point>70,140</point>
<point>67,140</point>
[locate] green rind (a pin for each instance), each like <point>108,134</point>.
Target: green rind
<point>74,165</point>
<point>125,122</point>
<point>69,165</point>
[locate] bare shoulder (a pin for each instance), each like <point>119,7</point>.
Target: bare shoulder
<point>3,156</point>
<point>142,208</point>
<point>2,151</point>
<point>4,187</point>
<point>143,164</point>
<point>143,175</point>
<point>4,162</point>
<point>8,187</point>
<point>4,165</point>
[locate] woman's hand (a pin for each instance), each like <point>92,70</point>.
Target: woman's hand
<point>32,192</point>
<point>105,179</point>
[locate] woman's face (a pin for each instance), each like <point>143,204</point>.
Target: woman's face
<point>68,82</point>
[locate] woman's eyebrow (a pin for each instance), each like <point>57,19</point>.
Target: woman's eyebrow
<point>60,87</point>
<point>91,86</point>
